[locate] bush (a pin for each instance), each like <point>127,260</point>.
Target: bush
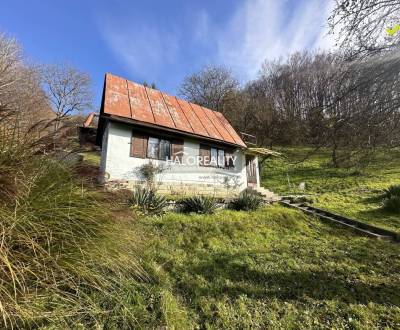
<point>246,201</point>
<point>392,191</point>
<point>392,204</point>
<point>147,201</point>
<point>198,204</point>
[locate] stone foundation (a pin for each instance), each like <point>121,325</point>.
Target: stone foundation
<point>177,189</point>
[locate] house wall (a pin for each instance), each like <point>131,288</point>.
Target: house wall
<point>121,170</point>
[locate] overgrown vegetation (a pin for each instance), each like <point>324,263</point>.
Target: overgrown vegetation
<point>197,204</point>
<point>246,201</point>
<point>148,172</point>
<point>72,256</point>
<point>357,194</point>
<point>62,251</point>
<point>147,201</point>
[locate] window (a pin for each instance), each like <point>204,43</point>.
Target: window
<point>221,158</point>
<point>229,163</point>
<point>165,150</point>
<point>153,147</point>
<point>211,156</point>
<point>143,146</point>
<point>214,157</point>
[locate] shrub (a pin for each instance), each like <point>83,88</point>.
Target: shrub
<point>147,201</point>
<point>148,172</point>
<point>198,204</point>
<point>246,201</point>
<point>392,204</point>
<point>393,190</point>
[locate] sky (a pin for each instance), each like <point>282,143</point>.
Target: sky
<point>164,41</point>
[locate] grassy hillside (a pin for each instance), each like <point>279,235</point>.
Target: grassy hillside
<point>274,268</point>
<point>75,256</point>
<point>352,193</point>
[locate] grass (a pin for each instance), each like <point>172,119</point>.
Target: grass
<point>91,157</point>
<point>348,192</point>
<point>273,268</point>
<point>75,256</point>
<point>66,261</point>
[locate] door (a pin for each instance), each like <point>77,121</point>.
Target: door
<point>251,171</point>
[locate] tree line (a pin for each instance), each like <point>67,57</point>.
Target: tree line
<point>37,100</point>
<point>346,101</point>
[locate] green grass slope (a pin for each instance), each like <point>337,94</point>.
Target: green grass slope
<point>275,268</point>
<point>347,192</point>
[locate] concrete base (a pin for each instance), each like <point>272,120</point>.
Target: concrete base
<point>178,189</point>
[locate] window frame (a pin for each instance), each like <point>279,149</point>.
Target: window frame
<point>158,147</point>
<point>218,151</point>
<point>159,151</point>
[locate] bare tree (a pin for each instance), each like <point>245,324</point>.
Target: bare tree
<point>211,87</point>
<point>10,74</point>
<point>323,101</point>
<point>25,115</point>
<point>365,26</point>
<point>68,90</point>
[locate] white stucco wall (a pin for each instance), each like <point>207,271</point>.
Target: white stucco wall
<point>118,164</point>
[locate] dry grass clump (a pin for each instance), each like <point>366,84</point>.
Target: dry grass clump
<point>63,259</point>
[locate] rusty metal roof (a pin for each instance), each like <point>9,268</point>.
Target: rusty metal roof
<point>130,100</point>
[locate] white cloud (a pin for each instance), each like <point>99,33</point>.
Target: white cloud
<point>143,49</point>
<point>268,29</point>
<point>256,31</point>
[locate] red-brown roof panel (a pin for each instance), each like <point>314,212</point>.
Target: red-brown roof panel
<point>130,100</point>
<point>139,103</point>
<point>194,121</point>
<point>205,121</point>
<point>160,111</point>
<point>177,113</point>
<point>230,129</point>
<point>116,97</point>
<point>218,125</point>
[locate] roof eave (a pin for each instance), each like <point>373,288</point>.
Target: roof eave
<point>170,130</point>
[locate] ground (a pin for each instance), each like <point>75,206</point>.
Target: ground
<point>273,268</point>
<point>350,192</point>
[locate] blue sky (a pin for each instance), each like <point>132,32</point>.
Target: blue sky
<point>163,41</point>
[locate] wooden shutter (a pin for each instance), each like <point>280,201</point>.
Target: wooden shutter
<point>205,151</point>
<point>177,150</point>
<point>139,145</point>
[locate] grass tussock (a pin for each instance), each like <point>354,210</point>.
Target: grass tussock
<point>64,259</point>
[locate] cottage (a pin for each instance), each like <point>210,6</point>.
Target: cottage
<point>194,149</point>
